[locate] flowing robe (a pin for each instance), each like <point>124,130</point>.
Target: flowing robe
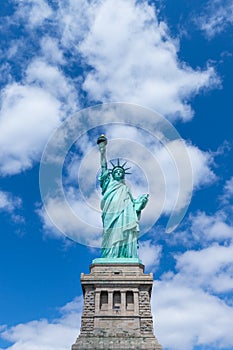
<point>120,214</point>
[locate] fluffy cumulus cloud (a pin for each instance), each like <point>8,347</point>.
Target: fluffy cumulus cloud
<point>216,17</point>
<point>24,125</point>
<point>178,184</point>
<point>114,68</point>
<point>36,95</point>
<point>44,334</point>
<point>211,268</point>
<point>187,317</point>
<point>41,85</point>
<point>211,228</point>
<point>192,306</point>
<point>84,227</point>
<point>30,110</point>
<point>136,60</point>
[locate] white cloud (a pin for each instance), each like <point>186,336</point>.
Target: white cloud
<point>192,303</point>
<point>28,115</point>
<point>73,19</point>
<point>32,108</point>
<point>49,78</point>
<point>149,254</point>
<point>42,334</point>
<point>201,229</point>
<point>217,17</point>
<point>227,195</point>
<point>179,183</point>
<point>208,228</point>
<point>12,205</point>
<point>228,188</point>
<point>30,111</point>
<point>51,51</point>
<point>135,60</point>
<point>8,202</point>
<point>210,268</point>
<point>75,220</point>
<point>36,11</point>
<point>201,164</point>
<point>186,316</point>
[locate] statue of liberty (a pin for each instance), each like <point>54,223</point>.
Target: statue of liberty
<point>120,211</point>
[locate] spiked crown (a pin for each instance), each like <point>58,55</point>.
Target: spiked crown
<point>119,166</point>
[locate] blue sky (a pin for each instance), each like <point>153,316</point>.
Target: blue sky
<point>58,58</point>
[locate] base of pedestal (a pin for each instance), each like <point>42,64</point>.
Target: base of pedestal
<point>116,312</point>
<point>116,343</point>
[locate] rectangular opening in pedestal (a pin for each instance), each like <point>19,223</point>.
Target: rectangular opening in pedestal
<point>103,300</point>
<point>116,300</point>
<point>129,300</point>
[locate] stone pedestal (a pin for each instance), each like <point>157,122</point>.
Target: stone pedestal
<point>116,312</point>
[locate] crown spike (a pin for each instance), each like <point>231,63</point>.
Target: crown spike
<point>118,165</point>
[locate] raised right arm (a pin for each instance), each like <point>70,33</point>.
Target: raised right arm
<point>102,142</point>
<point>103,158</point>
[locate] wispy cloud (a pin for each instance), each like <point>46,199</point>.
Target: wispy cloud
<point>217,16</point>
<point>8,202</point>
<point>38,11</point>
<point>227,196</point>
<point>11,205</point>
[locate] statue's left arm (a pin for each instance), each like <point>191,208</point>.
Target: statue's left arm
<point>140,203</point>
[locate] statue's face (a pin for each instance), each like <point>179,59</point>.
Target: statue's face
<point>118,174</point>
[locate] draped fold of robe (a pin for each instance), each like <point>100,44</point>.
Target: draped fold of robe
<point>120,214</point>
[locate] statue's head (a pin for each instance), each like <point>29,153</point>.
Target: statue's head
<point>118,171</point>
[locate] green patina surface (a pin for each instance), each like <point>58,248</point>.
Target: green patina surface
<point>117,261</point>
<point>120,212</point>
